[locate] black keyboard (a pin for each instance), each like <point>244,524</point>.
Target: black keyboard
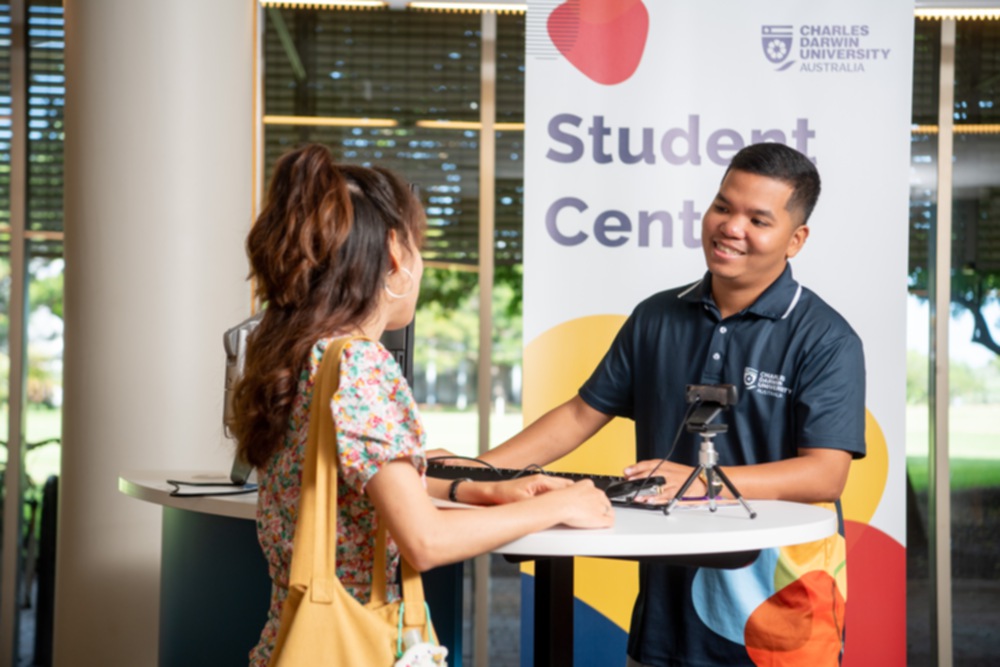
<point>487,474</point>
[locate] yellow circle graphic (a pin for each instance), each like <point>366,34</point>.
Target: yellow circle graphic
<point>866,481</point>
<point>556,364</point>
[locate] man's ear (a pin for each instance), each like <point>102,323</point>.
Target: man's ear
<point>798,240</point>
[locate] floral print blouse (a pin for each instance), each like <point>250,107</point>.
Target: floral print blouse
<point>377,422</point>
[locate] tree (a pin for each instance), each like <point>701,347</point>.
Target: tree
<point>448,321</point>
<point>975,281</point>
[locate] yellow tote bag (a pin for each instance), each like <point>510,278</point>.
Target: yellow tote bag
<point>322,625</point>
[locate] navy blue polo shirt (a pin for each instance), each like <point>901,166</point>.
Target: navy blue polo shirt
<point>799,369</point>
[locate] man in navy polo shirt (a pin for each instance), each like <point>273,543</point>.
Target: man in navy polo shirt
<point>799,421</point>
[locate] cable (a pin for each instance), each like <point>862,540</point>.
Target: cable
<point>530,469</point>
<point>489,465</point>
<point>677,436</point>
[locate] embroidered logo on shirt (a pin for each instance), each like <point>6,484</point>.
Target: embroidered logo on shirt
<point>768,384</point>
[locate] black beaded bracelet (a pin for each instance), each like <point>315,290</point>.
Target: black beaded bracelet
<point>453,489</point>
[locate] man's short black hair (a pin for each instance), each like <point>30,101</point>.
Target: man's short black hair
<point>785,164</point>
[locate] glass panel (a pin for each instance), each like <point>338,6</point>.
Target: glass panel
<point>409,68</point>
<point>923,199</point>
<point>46,99</point>
<point>5,275</point>
<point>44,327</point>
<point>507,293</point>
<point>975,345</point>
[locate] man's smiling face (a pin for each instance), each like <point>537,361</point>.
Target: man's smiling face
<point>748,233</point>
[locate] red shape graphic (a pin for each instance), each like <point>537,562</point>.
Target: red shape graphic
<point>789,628</point>
<point>876,598</point>
<point>604,39</point>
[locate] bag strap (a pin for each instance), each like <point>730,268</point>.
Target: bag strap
<point>314,562</point>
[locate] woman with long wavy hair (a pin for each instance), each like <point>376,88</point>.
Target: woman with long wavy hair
<point>335,253</point>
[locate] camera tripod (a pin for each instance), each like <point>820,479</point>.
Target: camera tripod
<point>708,463</point>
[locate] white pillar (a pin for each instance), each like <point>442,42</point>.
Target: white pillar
<point>159,133</point>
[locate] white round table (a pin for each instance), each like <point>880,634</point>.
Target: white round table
<point>694,530</point>
<point>695,536</point>
<point>727,537</point>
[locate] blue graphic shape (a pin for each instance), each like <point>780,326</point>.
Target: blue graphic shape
<point>597,640</point>
<point>724,599</point>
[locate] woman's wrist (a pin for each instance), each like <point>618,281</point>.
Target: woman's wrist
<point>453,490</point>
<point>481,493</point>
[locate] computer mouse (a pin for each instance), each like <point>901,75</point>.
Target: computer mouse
<point>633,488</point>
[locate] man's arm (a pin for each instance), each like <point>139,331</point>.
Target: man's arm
<point>815,475</point>
<point>830,411</point>
<point>554,435</point>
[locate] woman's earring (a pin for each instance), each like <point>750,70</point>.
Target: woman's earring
<point>409,276</point>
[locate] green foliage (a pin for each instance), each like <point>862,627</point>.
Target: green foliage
<point>447,288</point>
<point>448,317</point>
<point>47,291</point>
<point>965,383</point>
<point>4,306</point>
<point>975,279</point>
<point>917,377</point>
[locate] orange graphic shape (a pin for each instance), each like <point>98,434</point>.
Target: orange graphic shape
<point>796,560</point>
<point>789,628</point>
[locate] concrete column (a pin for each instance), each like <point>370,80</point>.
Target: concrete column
<point>159,133</point>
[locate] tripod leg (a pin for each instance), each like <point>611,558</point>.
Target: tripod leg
<point>709,485</point>
<point>736,494</point>
<point>684,487</point>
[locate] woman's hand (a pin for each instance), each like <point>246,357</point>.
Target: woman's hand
<point>522,488</point>
<point>586,506</point>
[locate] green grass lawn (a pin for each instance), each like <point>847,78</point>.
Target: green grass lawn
<point>974,443</point>
<point>40,424</point>
<point>458,432</point>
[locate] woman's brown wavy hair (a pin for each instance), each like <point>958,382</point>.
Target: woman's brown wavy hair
<point>319,257</point>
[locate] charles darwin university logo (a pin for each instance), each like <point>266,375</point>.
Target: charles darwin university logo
<point>777,43</point>
<point>750,377</point>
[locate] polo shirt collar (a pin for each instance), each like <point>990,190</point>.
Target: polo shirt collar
<point>777,302</point>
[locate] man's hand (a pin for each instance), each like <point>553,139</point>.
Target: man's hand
<point>675,475</point>
<point>816,475</point>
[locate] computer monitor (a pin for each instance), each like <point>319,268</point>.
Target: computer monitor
<point>399,342</point>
